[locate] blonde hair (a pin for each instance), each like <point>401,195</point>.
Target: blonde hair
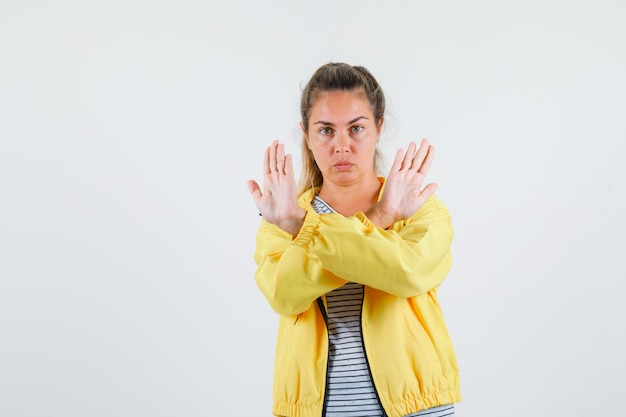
<point>336,76</point>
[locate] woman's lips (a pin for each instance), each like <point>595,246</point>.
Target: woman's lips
<point>343,166</point>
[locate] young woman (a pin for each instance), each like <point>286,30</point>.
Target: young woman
<point>352,261</point>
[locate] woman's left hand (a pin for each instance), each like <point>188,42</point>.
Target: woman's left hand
<point>403,194</point>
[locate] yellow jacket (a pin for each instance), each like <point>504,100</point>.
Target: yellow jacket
<point>406,341</point>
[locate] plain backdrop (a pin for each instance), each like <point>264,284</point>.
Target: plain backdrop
<point>128,130</point>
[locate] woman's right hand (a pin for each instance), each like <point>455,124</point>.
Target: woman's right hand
<point>277,202</point>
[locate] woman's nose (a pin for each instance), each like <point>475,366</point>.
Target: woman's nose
<point>343,143</point>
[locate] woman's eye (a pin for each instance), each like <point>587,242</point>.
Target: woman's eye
<point>326,131</point>
<point>357,129</point>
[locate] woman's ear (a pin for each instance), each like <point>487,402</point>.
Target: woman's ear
<point>306,137</point>
<point>380,127</point>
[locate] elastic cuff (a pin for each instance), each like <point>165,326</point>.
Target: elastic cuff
<point>367,222</point>
<point>311,223</point>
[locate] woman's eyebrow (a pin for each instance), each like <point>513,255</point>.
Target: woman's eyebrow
<point>322,122</point>
<point>357,119</point>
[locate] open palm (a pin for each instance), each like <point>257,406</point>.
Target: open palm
<point>404,193</point>
<point>277,201</point>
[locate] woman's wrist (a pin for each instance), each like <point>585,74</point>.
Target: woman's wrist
<point>379,217</point>
<point>293,224</point>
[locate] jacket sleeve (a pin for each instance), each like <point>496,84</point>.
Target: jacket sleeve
<point>409,259</point>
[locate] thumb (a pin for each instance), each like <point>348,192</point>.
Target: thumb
<point>255,190</point>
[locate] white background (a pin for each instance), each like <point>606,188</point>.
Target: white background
<point>129,128</point>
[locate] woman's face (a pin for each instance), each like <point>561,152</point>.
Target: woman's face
<point>342,136</point>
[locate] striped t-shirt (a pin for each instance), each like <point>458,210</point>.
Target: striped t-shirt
<point>350,390</point>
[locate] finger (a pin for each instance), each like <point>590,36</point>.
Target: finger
<point>397,161</point>
<point>420,155</point>
<point>408,157</point>
<point>272,159</point>
<point>289,165</point>
<point>429,190</point>
<point>425,167</point>
<point>266,161</point>
<point>255,190</point>
<point>280,158</point>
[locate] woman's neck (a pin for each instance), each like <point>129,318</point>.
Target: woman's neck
<point>348,200</point>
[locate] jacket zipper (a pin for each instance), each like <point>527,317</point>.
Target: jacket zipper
<point>367,361</point>
<point>320,304</point>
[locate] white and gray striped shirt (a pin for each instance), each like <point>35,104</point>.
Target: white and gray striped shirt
<point>350,391</point>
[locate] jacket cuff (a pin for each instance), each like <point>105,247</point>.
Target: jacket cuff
<point>363,219</point>
<point>308,229</point>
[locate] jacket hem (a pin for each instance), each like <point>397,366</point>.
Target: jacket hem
<point>285,409</point>
<point>415,403</point>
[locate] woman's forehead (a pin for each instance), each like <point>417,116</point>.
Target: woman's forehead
<point>340,106</point>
